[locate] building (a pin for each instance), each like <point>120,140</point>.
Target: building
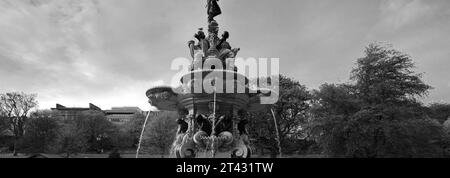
<point>122,115</point>
<point>117,115</point>
<point>72,112</point>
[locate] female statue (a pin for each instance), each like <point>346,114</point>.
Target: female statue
<point>213,9</point>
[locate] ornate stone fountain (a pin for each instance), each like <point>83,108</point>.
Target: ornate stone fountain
<point>211,122</point>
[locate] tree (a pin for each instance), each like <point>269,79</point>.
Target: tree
<point>97,129</point>
<point>160,132</point>
<point>42,114</point>
<point>331,106</point>
<point>438,111</point>
<point>332,99</point>
<point>4,132</point>
<point>40,136</point>
<point>133,128</point>
<point>447,126</point>
<point>4,124</point>
<point>71,140</point>
<point>88,132</point>
<point>377,116</point>
<point>16,107</point>
<point>290,112</point>
<point>385,75</point>
<point>2,120</point>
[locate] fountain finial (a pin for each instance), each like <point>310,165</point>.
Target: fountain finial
<point>213,9</point>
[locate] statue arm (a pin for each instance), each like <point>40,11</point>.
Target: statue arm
<point>191,48</point>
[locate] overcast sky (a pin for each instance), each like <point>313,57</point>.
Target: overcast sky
<point>109,52</point>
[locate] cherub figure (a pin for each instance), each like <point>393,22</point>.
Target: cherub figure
<point>225,50</point>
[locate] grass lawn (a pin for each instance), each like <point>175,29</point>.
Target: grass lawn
<point>9,155</point>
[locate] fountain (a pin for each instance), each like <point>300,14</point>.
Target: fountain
<point>211,122</point>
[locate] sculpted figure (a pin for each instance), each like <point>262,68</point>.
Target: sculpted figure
<point>198,51</point>
<point>225,124</point>
<point>223,44</point>
<point>225,50</point>
<point>204,124</point>
<point>242,127</point>
<point>213,9</point>
<point>202,42</point>
<point>201,46</point>
<point>182,126</point>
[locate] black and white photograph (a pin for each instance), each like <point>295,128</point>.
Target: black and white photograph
<point>238,79</point>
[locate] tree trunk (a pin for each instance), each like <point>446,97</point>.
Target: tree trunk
<point>273,153</point>
<point>14,147</point>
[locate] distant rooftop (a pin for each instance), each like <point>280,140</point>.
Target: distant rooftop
<point>124,110</point>
<point>91,107</point>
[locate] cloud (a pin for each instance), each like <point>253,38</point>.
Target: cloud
<point>398,13</point>
<point>110,52</point>
<point>71,49</point>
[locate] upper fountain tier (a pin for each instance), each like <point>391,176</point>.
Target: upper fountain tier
<point>199,88</point>
<point>230,90</point>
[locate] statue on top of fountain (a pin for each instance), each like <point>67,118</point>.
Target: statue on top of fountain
<point>213,9</point>
<point>212,45</point>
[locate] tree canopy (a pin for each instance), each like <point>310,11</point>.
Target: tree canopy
<point>378,115</point>
<point>386,75</point>
<point>291,113</point>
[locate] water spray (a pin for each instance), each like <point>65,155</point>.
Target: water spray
<point>277,133</point>
<point>142,134</point>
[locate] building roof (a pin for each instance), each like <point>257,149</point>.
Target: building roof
<point>123,110</point>
<point>127,108</point>
<point>60,107</point>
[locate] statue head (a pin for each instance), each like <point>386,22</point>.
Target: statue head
<point>200,35</point>
<point>225,35</point>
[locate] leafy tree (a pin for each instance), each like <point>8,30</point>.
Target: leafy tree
<point>97,129</point>
<point>438,111</point>
<point>379,115</point>
<point>5,140</point>
<point>127,135</point>
<point>261,128</point>
<point>160,132</point>
<point>88,132</point>
<point>40,136</point>
<point>447,126</point>
<point>380,132</point>
<point>3,119</point>
<point>4,125</point>
<point>385,75</point>
<point>42,114</point>
<point>133,128</point>
<point>71,140</point>
<point>122,140</point>
<point>291,114</point>
<point>331,106</point>
<point>332,99</point>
